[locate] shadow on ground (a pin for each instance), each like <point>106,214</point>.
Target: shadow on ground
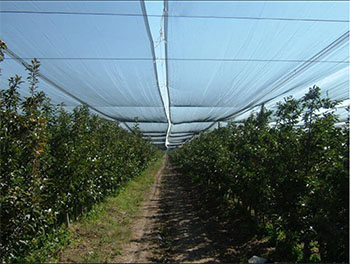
<point>189,229</point>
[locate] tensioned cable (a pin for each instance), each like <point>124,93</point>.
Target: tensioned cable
<point>287,77</point>
<point>25,64</point>
<point>144,12</point>
<point>178,16</point>
<point>149,34</point>
<point>230,59</point>
<point>187,132</point>
<point>165,13</point>
<point>240,112</point>
<point>186,59</point>
<point>339,41</point>
<point>177,140</point>
<point>282,81</point>
<point>186,136</point>
<point>151,134</point>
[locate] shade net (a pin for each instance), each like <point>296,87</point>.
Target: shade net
<point>177,72</point>
<point>83,56</point>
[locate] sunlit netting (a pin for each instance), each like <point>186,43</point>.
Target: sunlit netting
<point>178,68</point>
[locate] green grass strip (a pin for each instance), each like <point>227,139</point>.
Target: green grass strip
<point>101,233</point>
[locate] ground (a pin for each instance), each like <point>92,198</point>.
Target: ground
<point>177,223</point>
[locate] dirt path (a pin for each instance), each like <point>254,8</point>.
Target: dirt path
<point>186,239</point>
<point>143,246</point>
<point>177,224</point>
<point>167,228</point>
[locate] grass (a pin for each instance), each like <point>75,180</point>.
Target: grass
<point>101,233</point>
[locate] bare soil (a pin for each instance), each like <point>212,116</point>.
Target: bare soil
<point>179,223</point>
<point>143,246</point>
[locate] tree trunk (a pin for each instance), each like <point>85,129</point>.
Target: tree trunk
<point>67,220</point>
<point>306,251</point>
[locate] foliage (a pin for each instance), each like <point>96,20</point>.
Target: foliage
<point>56,164</point>
<point>108,226</point>
<point>293,176</point>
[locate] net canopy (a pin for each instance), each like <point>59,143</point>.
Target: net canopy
<point>178,68</point>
